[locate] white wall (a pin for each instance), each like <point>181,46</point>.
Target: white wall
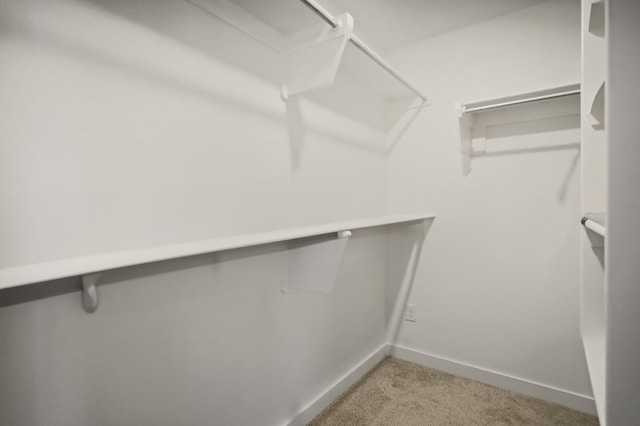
<point>623,231</point>
<point>134,124</point>
<point>498,283</point>
<point>123,118</point>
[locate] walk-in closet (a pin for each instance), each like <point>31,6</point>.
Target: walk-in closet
<point>325,212</point>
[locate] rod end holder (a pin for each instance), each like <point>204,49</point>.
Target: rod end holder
<point>344,234</point>
<point>90,292</point>
<point>284,93</point>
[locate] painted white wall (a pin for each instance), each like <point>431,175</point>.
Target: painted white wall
<point>623,201</point>
<point>498,283</point>
<point>125,118</point>
<point>206,340</point>
<point>135,124</point>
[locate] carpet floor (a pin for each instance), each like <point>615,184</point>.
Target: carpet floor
<point>401,393</point>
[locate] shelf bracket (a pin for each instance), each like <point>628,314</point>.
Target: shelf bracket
<point>465,123</point>
<point>314,57</point>
<point>90,292</point>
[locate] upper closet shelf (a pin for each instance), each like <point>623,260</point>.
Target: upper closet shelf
<point>596,18</point>
<point>312,54</point>
<point>541,95</point>
<point>467,112</point>
<point>357,42</point>
<point>596,113</point>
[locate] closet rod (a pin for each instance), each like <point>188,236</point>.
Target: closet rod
<point>594,226</point>
<point>523,101</point>
<point>329,19</point>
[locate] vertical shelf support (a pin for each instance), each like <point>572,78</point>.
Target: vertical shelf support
<point>90,292</point>
<point>465,123</point>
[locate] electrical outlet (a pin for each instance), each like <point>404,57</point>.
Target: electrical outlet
<point>410,313</point>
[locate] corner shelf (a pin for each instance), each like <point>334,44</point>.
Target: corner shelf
<point>596,18</point>
<point>596,113</point>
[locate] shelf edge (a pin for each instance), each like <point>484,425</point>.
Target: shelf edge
<point>47,271</point>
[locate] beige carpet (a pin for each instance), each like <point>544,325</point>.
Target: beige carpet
<point>404,394</point>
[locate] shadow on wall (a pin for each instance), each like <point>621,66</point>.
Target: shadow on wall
<point>177,55</point>
<point>404,250</point>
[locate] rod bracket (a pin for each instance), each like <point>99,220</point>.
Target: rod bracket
<point>344,234</point>
<point>314,56</point>
<point>90,292</point>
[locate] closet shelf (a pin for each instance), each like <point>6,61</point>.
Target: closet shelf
<point>595,223</point>
<point>596,113</point>
<point>357,42</point>
<point>312,54</point>
<point>95,264</point>
<point>467,113</point>
<point>556,92</point>
<point>596,18</point>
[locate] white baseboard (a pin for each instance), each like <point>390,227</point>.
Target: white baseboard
<point>332,393</point>
<point>575,401</point>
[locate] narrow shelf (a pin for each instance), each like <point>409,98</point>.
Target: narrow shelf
<point>596,18</point>
<point>34,273</point>
<point>469,113</point>
<point>311,61</point>
<point>596,113</point>
<point>556,92</point>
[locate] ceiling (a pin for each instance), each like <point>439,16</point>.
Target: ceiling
<point>386,24</point>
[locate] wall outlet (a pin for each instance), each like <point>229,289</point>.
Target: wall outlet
<point>410,313</point>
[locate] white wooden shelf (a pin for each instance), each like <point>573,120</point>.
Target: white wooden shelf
<point>596,113</point>
<point>596,18</point>
<point>312,55</point>
<point>467,116</point>
<point>80,266</point>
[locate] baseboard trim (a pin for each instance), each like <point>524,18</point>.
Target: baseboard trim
<point>332,393</point>
<point>565,398</point>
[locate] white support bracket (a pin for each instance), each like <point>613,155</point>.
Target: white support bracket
<point>344,234</point>
<point>90,292</point>
<point>469,146</point>
<point>315,56</point>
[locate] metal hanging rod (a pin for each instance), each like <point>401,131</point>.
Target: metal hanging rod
<point>565,92</point>
<point>329,19</point>
<point>594,226</point>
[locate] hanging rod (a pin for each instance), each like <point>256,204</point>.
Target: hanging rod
<point>329,19</point>
<point>566,91</point>
<point>594,226</point>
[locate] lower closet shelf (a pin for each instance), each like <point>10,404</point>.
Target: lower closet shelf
<point>47,271</point>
